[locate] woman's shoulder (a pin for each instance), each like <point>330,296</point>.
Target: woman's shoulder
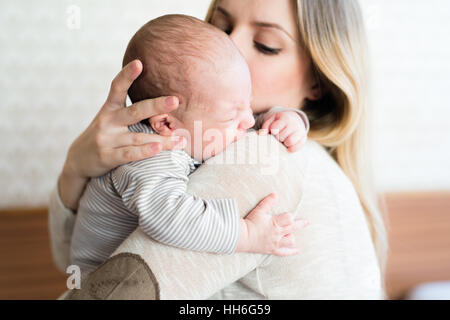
<point>260,162</point>
<point>322,171</point>
<point>264,155</point>
<point>312,160</point>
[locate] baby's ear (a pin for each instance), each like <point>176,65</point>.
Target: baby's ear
<point>161,124</point>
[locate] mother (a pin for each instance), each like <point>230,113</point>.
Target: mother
<point>308,54</point>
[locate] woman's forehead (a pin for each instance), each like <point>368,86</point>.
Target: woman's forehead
<point>276,12</point>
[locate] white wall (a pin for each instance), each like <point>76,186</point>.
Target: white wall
<point>410,48</point>
<point>55,74</point>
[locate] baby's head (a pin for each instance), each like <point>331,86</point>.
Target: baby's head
<point>188,58</point>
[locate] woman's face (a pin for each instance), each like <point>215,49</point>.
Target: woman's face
<point>266,33</point>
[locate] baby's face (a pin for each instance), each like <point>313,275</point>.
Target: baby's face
<point>223,115</point>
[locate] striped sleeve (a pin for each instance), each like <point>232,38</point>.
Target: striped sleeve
<point>155,190</point>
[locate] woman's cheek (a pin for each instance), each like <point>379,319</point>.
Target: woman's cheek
<point>278,80</point>
<point>262,90</point>
<point>271,80</point>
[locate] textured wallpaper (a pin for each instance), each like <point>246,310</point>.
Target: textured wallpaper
<point>57,59</point>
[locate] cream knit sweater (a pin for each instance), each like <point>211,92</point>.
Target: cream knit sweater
<point>336,260</point>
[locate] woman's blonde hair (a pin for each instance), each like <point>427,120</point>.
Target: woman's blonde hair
<point>333,34</point>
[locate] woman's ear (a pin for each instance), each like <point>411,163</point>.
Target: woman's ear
<point>317,87</point>
<point>316,91</point>
<point>161,124</point>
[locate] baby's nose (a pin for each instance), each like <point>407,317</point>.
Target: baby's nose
<point>248,121</point>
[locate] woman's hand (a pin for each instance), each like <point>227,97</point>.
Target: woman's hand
<point>107,142</point>
<point>267,234</point>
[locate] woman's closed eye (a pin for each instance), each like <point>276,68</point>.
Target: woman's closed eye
<point>260,47</point>
<point>266,49</point>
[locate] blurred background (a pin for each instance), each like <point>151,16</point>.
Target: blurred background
<point>58,57</point>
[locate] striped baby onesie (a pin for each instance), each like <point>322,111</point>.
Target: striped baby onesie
<point>150,194</point>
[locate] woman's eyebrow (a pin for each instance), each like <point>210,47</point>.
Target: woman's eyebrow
<point>258,23</point>
<point>224,12</point>
<point>272,25</point>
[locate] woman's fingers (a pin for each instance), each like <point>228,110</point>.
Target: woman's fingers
<point>172,142</point>
<point>121,83</point>
<point>138,139</point>
<point>146,109</point>
<point>123,155</point>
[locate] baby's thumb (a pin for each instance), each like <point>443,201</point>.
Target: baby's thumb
<point>265,204</point>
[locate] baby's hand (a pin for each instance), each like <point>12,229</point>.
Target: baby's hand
<point>267,234</point>
<point>288,127</point>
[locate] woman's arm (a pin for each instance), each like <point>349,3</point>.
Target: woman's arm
<point>60,223</point>
<point>104,145</point>
<point>181,274</point>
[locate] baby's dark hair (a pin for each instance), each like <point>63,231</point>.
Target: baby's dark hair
<point>172,48</point>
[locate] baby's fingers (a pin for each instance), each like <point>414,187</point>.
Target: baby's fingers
<point>276,127</point>
<point>297,146</point>
<point>298,224</point>
<point>293,139</point>
<point>284,219</point>
<point>286,132</point>
<point>288,241</point>
<point>267,123</point>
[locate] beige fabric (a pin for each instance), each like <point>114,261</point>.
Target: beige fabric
<point>337,259</point>
<point>125,277</point>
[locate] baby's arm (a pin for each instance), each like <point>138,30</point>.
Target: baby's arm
<point>290,126</point>
<point>155,189</point>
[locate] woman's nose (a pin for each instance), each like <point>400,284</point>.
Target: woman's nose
<point>238,38</point>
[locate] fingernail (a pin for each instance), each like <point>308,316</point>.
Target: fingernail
<point>156,147</point>
<point>170,101</point>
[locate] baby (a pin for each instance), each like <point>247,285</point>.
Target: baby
<point>192,60</point>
